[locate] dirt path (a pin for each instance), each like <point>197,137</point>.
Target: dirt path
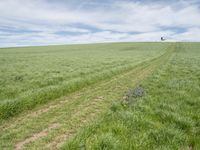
<point>49,126</point>
<point>35,136</point>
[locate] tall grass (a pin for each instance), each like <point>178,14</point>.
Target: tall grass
<point>166,117</point>
<point>32,76</point>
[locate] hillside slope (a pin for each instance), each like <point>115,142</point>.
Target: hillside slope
<point>93,115</point>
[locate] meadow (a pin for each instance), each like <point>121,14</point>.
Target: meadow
<point>72,97</point>
<point>35,75</point>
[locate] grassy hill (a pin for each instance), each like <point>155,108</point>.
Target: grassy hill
<point>74,97</point>
<point>35,75</point>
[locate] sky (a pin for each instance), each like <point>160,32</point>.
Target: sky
<point>49,22</point>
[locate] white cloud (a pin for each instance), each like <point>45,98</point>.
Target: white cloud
<point>193,34</point>
<point>96,22</point>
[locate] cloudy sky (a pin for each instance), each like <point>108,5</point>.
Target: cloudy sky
<point>45,22</point>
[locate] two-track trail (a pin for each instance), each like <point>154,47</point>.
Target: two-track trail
<point>50,125</point>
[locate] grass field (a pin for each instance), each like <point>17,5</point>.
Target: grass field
<point>35,75</point>
<point>70,97</point>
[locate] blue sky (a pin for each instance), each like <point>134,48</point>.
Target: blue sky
<point>48,22</point>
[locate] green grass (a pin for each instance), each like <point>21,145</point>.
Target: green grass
<point>167,117</point>
<point>32,76</point>
<point>84,110</point>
